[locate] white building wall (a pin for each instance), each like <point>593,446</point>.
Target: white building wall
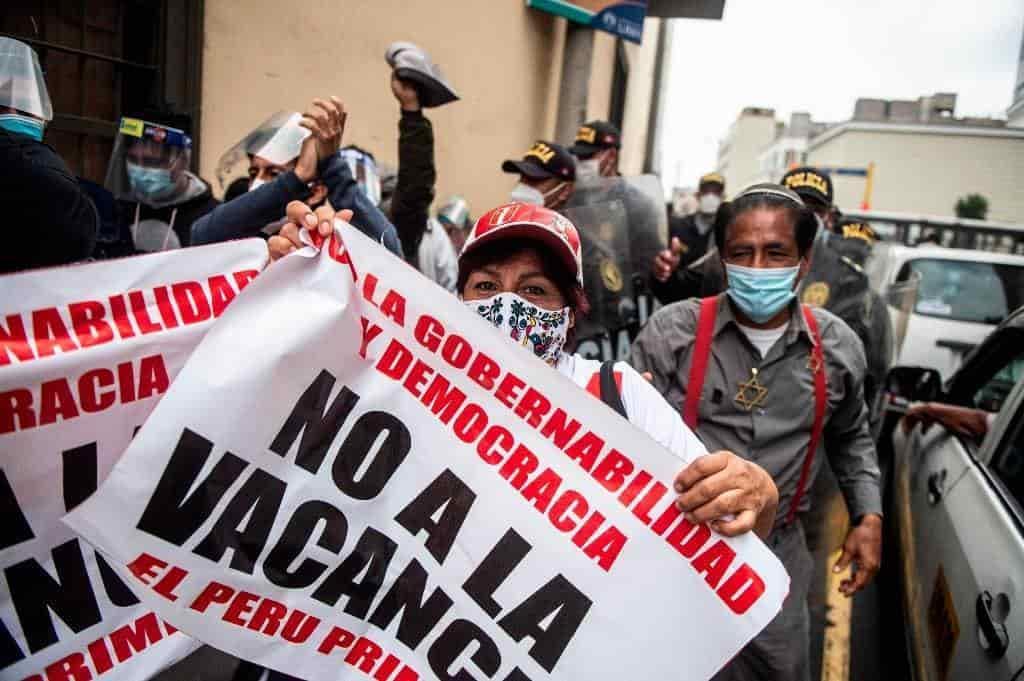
<point>738,159</point>
<point>926,172</point>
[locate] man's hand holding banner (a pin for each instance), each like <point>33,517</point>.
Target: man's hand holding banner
<point>352,479</point>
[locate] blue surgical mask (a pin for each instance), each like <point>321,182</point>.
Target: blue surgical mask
<point>17,124</point>
<point>761,293</point>
<point>150,183</point>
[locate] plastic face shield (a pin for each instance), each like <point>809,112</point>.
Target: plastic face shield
<point>277,140</point>
<point>364,170</point>
<point>146,145</point>
<point>455,213</point>
<point>22,86</point>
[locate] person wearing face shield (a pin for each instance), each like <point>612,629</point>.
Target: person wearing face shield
<point>676,272</point>
<point>454,218</point>
<point>52,220</point>
<point>547,175</point>
<point>294,157</point>
<point>521,269</point>
<point>148,173</point>
<point>438,253</point>
<point>757,373</point>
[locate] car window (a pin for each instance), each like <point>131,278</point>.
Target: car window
<point>966,291</point>
<point>1008,462</point>
<point>991,396</point>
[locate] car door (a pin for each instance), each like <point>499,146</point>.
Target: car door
<point>927,466</point>
<point>971,580</point>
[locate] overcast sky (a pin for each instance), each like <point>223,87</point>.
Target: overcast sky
<point>821,55</point>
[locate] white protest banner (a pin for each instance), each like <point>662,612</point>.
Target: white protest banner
<point>356,477</point>
<point>86,352</point>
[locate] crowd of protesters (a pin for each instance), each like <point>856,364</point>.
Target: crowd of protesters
<point>733,360</point>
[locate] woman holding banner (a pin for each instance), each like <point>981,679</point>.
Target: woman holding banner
<point>521,269</point>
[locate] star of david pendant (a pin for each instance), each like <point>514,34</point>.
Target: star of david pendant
<point>813,363</point>
<point>752,392</point>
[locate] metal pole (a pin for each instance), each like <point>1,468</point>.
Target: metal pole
<point>869,186</point>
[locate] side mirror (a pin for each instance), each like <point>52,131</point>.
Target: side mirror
<point>914,384</point>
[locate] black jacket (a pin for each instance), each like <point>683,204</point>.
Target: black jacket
<point>180,216</point>
<point>417,175</point>
<point>246,215</point>
<point>49,219</point>
<point>699,273</point>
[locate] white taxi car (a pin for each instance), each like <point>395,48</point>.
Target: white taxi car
<point>961,296</point>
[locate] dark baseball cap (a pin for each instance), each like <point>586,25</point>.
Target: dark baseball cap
<point>850,228</point>
<point>595,136</point>
<point>544,160</point>
<point>710,179</point>
<point>809,183</point>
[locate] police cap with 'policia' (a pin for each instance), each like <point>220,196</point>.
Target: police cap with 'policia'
<point>708,179</point>
<point>595,136</point>
<point>810,184</point>
<point>855,229</point>
<point>544,160</point>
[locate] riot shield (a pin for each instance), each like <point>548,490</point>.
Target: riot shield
<point>607,276</point>
<point>838,283</point>
<point>277,139</point>
<point>901,298</point>
<point>646,213</point>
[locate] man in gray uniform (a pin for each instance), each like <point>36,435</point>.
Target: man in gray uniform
<point>756,373</point>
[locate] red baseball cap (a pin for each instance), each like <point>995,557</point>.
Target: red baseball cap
<point>526,221</point>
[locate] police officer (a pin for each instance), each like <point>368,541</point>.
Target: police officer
<point>759,374</point>
<point>836,280</point>
<point>598,181</point>
<point>597,148</point>
<point>547,175</point>
<point>856,303</point>
<point>815,188</point>
<point>691,239</point>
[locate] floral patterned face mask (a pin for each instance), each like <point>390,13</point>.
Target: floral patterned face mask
<point>541,331</point>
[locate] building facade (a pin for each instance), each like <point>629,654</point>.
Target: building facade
<point>789,149</point>
<point>223,66</point>
<point>924,158</point>
<point>739,152</point>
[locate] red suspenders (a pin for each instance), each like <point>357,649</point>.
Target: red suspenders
<point>699,366</point>
<point>699,363</point>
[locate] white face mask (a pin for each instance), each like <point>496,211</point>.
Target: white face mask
<point>541,331</point>
<point>588,170</point>
<point>708,204</point>
<point>524,193</point>
<point>256,182</point>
